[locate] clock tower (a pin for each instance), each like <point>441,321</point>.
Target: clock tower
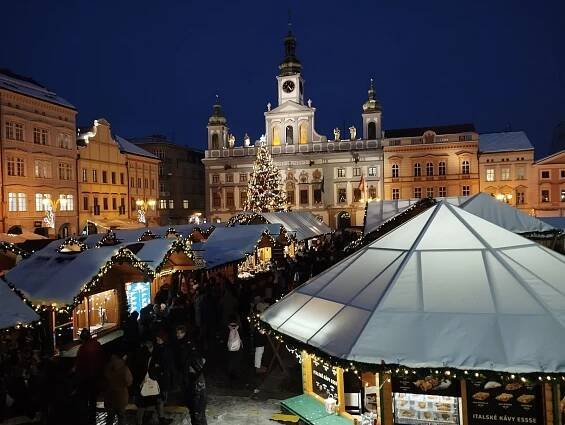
<point>290,83</point>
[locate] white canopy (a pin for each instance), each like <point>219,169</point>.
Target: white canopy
<point>481,204</point>
<point>445,289</point>
<point>13,311</point>
<point>304,225</point>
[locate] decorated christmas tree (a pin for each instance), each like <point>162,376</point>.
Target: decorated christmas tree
<point>265,192</point>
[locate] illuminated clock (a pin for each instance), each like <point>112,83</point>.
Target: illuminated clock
<point>288,86</point>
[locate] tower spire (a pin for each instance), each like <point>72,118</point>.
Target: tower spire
<point>217,116</point>
<point>372,104</point>
<point>290,65</point>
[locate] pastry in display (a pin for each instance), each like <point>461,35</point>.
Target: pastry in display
<point>446,417</point>
<point>526,398</point>
<point>504,397</point>
<point>492,384</point>
<point>407,413</point>
<point>427,415</point>
<point>513,386</point>
<point>422,404</point>
<point>481,396</point>
<point>443,407</point>
<point>404,403</point>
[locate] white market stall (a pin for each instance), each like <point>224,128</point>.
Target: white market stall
<point>443,296</point>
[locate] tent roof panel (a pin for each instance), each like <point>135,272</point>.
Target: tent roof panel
<point>13,310</point>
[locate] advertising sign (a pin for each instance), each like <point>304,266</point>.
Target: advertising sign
<point>138,295</point>
<point>324,380</point>
<point>493,402</point>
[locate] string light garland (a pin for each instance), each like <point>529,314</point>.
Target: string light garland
<point>109,239</point>
<point>70,243</point>
<point>10,247</point>
<point>397,370</point>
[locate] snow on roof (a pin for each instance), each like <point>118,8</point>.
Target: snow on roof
<point>13,311</point>
<point>444,280</point>
<point>481,204</point>
<point>556,222</point>
<point>153,251</point>
<point>229,244</point>
<point>128,147</point>
<point>48,277</point>
<point>505,141</point>
<point>303,224</point>
<point>29,88</point>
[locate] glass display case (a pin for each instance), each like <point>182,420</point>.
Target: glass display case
<point>426,409</point>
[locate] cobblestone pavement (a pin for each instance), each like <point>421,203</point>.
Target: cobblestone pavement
<point>222,410</point>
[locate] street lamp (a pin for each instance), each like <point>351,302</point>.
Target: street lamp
<point>142,206</point>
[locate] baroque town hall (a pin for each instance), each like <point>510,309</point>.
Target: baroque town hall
<point>333,177</point>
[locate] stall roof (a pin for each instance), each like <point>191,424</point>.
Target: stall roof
<point>51,277</point>
<point>302,224</point>
<point>13,311</point>
<point>556,222</point>
<point>444,280</point>
<point>481,204</point>
<point>229,244</point>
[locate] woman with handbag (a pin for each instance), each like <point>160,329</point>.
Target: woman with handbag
<point>145,381</point>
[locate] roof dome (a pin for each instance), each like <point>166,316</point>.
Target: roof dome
<point>372,104</point>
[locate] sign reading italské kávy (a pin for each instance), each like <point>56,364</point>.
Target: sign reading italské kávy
<point>493,402</point>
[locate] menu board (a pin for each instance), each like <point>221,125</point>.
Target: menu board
<point>138,295</point>
<point>562,402</point>
<point>425,409</point>
<point>493,402</point>
<point>436,385</point>
<point>324,380</point>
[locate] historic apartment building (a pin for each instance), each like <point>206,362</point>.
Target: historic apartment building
<point>549,185</point>
<point>113,175</point>
<point>181,179</point>
<point>331,177</point>
<point>37,147</point>
<point>431,162</point>
<point>505,168</point>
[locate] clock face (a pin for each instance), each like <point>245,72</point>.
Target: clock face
<point>288,86</point>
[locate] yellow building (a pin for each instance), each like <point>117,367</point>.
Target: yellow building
<point>117,181</point>
<point>431,162</point>
<point>143,178</point>
<point>549,183</point>
<point>103,187</point>
<point>38,159</point>
<point>505,168</point>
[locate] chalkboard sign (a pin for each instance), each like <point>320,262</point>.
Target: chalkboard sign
<point>493,402</point>
<point>324,380</point>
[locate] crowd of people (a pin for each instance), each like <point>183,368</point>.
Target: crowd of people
<point>195,326</point>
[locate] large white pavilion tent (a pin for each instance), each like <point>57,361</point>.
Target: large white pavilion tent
<point>446,289</point>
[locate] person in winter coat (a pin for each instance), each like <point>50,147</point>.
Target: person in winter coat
<point>89,367</point>
<point>163,369</point>
<point>190,366</point>
<point>145,366</point>
<point>116,395</point>
<point>234,349</point>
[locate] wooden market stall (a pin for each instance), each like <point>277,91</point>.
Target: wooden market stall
<point>80,287</point>
<point>447,319</point>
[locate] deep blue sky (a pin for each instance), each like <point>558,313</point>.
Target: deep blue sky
<point>155,66</point>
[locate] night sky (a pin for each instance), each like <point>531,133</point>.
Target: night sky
<point>154,67</point>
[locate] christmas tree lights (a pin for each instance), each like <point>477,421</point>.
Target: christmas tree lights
<point>265,192</point>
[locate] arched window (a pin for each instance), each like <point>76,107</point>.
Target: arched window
<point>429,169</point>
<point>289,135</point>
<point>276,136</point>
<point>417,170</point>
<point>395,170</point>
<point>441,168</point>
<point>304,133</point>
<point>372,131</point>
<point>465,167</point>
<point>215,141</point>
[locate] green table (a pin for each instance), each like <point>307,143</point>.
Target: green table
<point>312,411</point>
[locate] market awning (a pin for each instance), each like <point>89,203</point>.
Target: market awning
<point>230,244</point>
<point>13,311</point>
<point>445,289</point>
<point>304,225</point>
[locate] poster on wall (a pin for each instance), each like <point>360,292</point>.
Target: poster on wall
<point>434,385</point>
<point>493,402</point>
<point>138,295</point>
<point>324,380</point>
